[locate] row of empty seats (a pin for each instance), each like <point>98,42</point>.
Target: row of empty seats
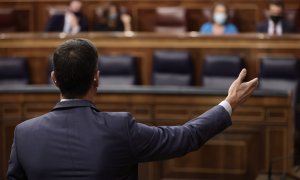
<point>219,71</point>
<point>173,68</point>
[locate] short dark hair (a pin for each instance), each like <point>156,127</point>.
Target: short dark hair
<point>220,3</point>
<point>279,3</point>
<point>70,1</point>
<point>75,63</point>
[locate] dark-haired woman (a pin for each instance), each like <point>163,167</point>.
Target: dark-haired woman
<point>220,22</point>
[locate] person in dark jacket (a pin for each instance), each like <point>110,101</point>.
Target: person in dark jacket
<point>276,24</point>
<point>71,22</point>
<point>77,141</point>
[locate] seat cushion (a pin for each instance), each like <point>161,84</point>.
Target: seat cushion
<point>223,65</point>
<point>14,71</point>
<point>117,69</point>
<point>171,79</point>
<point>172,68</point>
<point>278,68</point>
<point>178,62</point>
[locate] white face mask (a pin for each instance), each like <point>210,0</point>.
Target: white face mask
<point>220,18</point>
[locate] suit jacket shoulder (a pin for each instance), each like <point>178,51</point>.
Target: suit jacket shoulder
<point>288,27</point>
<point>262,27</point>
<point>55,23</point>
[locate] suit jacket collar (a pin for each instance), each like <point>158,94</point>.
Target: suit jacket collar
<point>74,104</point>
<point>284,24</point>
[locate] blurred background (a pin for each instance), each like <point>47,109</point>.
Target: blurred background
<point>166,61</point>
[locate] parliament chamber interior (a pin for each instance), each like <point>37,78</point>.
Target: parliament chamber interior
<point>159,61</point>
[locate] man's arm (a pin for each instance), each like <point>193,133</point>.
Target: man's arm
<point>157,143</point>
<point>15,170</point>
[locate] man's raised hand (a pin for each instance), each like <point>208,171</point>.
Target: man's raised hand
<point>240,91</point>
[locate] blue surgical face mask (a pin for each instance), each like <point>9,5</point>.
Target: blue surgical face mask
<point>220,18</point>
<point>113,17</point>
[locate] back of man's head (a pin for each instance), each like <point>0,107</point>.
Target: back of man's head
<point>75,65</point>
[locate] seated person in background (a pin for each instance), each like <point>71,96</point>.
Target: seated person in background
<point>219,21</point>
<point>275,24</point>
<point>71,22</point>
<point>114,18</point>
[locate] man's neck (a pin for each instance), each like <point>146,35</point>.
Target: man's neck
<point>89,96</point>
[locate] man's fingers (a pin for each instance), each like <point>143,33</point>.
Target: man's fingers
<point>242,75</point>
<point>251,86</point>
<point>253,82</point>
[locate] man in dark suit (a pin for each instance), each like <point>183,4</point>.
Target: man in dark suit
<point>77,141</point>
<point>276,24</point>
<point>71,22</point>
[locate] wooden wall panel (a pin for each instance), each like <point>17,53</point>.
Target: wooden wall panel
<point>274,153</point>
<point>24,18</point>
<point>276,115</point>
<point>31,110</point>
<point>11,110</point>
<point>7,127</point>
<point>242,20</point>
<point>226,156</point>
<point>249,114</point>
<point>146,20</point>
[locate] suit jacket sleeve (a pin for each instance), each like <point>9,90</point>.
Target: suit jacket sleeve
<point>83,24</point>
<point>55,23</point>
<point>51,24</point>
<point>15,170</point>
<point>157,143</point>
<point>288,27</point>
<point>262,27</point>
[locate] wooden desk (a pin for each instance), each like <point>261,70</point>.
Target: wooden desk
<point>251,47</point>
<point>262,128</point>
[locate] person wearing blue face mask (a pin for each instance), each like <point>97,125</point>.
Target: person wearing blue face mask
<point>113,18</point>
<point>220,21</point>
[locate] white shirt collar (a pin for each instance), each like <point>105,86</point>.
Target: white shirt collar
<point>271,27</point>
<point>62,100</point>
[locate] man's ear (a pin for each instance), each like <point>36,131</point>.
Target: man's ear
<point>53,78</point>
<point>97,79</point>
